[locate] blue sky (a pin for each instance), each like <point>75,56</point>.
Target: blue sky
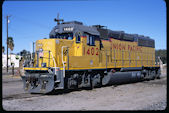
<point>33,20</point>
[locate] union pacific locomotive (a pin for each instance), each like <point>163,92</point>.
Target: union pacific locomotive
<point>77,56</point>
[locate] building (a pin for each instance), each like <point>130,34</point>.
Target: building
<point>12,59</point>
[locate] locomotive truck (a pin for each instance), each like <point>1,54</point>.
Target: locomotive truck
<point>78,56</point>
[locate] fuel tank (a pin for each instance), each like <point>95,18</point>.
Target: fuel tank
<point>121,77</point>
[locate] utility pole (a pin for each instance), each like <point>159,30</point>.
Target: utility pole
<point>32,50</point>
<point>33,46</point>
<point>33,54</point>
<point>7,41</point>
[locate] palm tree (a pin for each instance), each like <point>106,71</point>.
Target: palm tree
<point>10,44</point>
<point>3,49</point>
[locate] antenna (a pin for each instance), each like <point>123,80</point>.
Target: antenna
<point>58,20</point>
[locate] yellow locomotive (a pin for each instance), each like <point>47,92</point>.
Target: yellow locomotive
<point>77,56</point>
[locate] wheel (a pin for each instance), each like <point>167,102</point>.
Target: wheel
<point>145,74</point>
<point>91,83</point>
<point>96,81</point>
<point>148,77</point>
<point>153,73</point>
<point>158,74</point>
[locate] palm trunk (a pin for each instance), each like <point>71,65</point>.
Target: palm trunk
<point>10,56</point>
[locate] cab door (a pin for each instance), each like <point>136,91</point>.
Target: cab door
<point>78,44</point>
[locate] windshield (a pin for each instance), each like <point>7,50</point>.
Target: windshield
<point>68,36</point>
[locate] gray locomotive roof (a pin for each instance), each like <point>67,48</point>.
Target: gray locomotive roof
<point>77,26</point>
<point>103,33</point>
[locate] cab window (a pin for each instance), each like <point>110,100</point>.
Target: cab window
<point>68,36</point>
<point>78,39</point>
<point>91,40</point>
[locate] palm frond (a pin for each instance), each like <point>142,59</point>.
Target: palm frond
<point>3,49</point>
<point>10,43</point>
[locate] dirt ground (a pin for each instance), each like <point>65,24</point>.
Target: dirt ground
<point>147,95</point>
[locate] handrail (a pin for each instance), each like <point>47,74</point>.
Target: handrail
<point>63,61</point>
<point>54,61</point>
<point>52,58</point>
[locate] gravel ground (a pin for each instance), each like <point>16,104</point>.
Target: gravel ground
<point>11,86</point>
<point>147,95</point>
<point>157,106</point>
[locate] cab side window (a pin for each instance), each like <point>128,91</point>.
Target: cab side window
<point>91,40</point>
<point>78,37</point>
<point>88,40</point>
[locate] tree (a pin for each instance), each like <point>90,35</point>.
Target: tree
<point>10,44</point>
<point>162,53</point>
<point>25,54</point>
<point>3,49</point>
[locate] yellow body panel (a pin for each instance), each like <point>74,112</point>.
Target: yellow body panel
<point>114,54</point>
<point>46,45</point>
